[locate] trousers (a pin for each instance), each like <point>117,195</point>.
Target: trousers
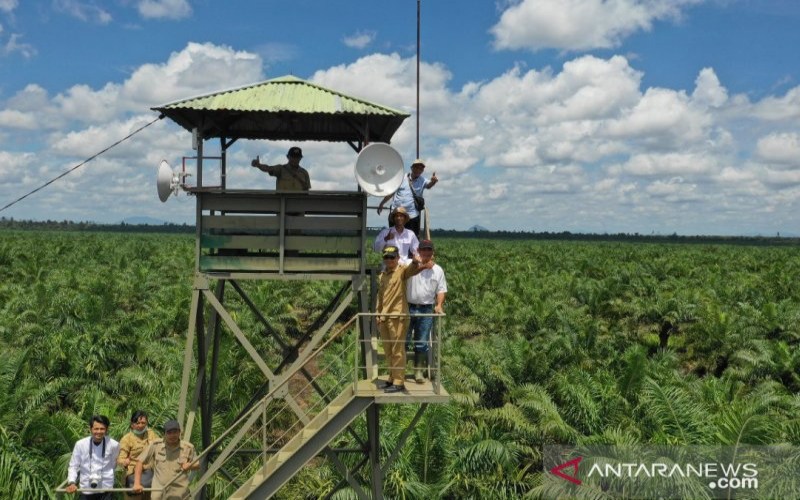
<point>419,328</point>
<point>393,336</point>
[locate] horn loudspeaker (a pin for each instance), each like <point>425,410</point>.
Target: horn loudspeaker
<point>166,181</point>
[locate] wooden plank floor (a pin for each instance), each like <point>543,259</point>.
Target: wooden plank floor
<point>415,393</point>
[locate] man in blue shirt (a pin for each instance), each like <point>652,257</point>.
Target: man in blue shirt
<point>413,184</point>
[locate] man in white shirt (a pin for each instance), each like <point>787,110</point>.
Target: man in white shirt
<point>425,293</point>
<point>93,461</point>
<point>398,236</point>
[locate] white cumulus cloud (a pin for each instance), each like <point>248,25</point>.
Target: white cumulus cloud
<point>85,11</point>
<point>12,164</point>
<point>708,90</point>
<point>675,164</point>
<point>164,9</point>
<point>8,5</point>
<point>663,118</point>
<point>15,45</point>
<point>575,25</point>
<point>359,40</point>
<point>779,108</point>
<point>196,69</point>
<point>10,118</point>
<point>780,149</point>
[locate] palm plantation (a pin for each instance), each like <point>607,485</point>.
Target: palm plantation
<point>569,342</point>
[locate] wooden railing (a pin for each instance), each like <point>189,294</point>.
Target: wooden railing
<point>249,231</point>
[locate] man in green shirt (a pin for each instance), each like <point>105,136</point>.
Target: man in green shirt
<point>291,176</point>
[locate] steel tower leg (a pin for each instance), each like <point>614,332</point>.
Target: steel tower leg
<point>374,439</point>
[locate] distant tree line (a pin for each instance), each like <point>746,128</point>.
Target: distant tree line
<point>628,237</point>
<point>122,227</point>
<point>68,225</point>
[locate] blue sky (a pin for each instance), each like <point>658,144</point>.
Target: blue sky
<point>679,116</point>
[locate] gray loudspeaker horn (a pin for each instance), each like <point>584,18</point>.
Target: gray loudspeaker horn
<point>379,169</point>
<point>166,181</point>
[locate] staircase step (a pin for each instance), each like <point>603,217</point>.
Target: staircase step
<point>295,445</point>
<point>283,456</point>
<point>303,435</point>
<point>300,439</point>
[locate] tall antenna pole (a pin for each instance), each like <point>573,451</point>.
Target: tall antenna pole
<point>418,16</point>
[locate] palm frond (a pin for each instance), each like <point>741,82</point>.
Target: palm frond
<point>678,417</point>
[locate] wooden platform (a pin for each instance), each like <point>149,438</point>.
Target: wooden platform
<point>415,393</point>
<point>281,232</point>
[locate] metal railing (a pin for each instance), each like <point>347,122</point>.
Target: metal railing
<point>300,394</point>
<point>303,391</point>
<point>433,357</point>
<point>61,488</point>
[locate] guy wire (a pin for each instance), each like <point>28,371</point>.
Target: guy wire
<point>82,163</point>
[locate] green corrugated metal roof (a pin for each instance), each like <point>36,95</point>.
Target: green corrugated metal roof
<point>285,108</point>
<point>287,93</point>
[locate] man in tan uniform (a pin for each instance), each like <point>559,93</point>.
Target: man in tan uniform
<point>291,176</point>
<point>392,300</point>
<point>171,459</point>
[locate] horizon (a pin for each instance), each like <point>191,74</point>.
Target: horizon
<point>146,221</point>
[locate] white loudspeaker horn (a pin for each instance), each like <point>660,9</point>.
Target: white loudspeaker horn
<point>379,169</point>
<point>166,181</point>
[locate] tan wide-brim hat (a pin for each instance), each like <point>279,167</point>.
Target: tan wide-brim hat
<point>401,211</point>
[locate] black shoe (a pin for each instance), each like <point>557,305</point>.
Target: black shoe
<point>395,388</point>
<point>386,385</point>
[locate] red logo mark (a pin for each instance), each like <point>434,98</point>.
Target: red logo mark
<point>557,470</point>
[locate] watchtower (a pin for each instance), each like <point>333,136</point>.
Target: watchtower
<point>314,384</point>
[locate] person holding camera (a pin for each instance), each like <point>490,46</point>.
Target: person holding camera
<point>93,461</point>
<point>410,195</point>
<point>131,446</point>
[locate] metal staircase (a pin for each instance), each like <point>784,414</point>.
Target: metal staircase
<point>315,400</point>
<point>304,446</point>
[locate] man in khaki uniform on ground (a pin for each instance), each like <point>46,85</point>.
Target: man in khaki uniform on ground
<point>171,459</point>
